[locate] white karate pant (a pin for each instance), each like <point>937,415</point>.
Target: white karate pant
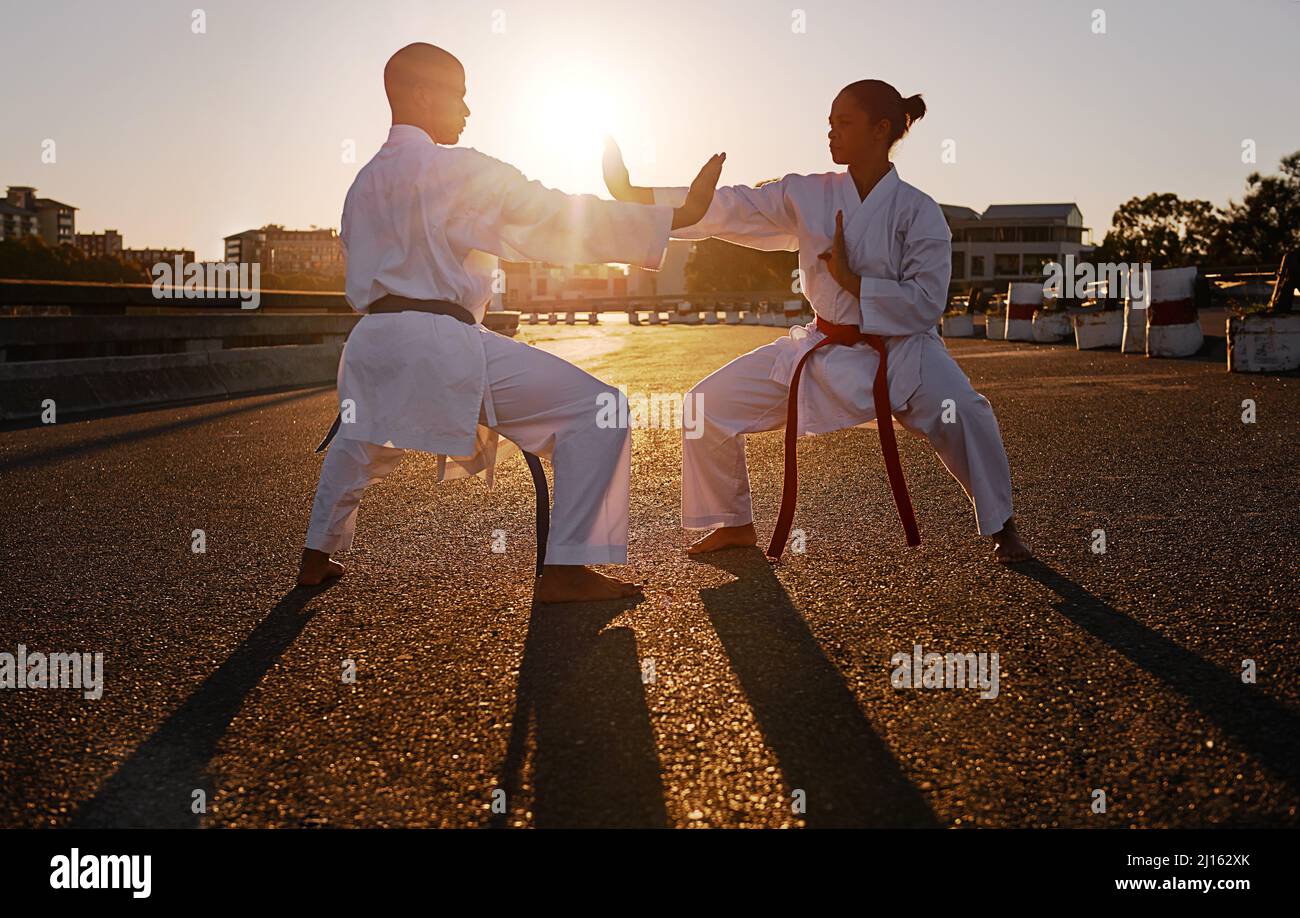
<point>545,405</point>
<point>740,399</point>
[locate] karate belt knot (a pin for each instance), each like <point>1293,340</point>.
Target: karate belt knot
<point>847,335</point>
<point>542,495</point>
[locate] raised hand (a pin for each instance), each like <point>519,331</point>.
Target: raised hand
<point>700,195</point>
<point>617,179</point>
<point>836,259</point>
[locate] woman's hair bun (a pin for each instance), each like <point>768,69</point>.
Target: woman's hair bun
<point>914,108</point>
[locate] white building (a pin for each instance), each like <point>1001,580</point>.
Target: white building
<point>1012,242</point>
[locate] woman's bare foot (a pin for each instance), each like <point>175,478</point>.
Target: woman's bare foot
<point>316,567</point>
<point>575,583</point>
<point>725,537</point>
<point>1007,547</point>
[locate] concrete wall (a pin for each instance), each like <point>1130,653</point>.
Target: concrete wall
<point>199,357</point>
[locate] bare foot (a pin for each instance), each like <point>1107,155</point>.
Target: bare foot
<point>725,537</point>
<point>317,567</point>
<point>575,583</point>
<point>1007,547</point>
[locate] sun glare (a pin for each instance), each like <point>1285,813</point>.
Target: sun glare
<point>568,115</point>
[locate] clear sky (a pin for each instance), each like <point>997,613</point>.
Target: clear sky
<point>178,139</point>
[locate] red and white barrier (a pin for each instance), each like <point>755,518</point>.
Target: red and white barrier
<point>1264,343</point>
<point>957,325</point>
<point>793,312</point>
<point>1173,328</point>
<point>1098,329</point>
<point>1023,300</point>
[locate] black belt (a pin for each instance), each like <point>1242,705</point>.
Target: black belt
<point>392,303</point>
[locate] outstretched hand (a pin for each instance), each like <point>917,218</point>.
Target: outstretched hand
<point>617,179</point>
<point>700,195</point>
<point>836,259</point>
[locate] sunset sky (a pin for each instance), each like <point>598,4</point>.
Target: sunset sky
<point>178,139</point>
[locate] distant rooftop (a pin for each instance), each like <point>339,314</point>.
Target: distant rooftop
<point>1028,211</point>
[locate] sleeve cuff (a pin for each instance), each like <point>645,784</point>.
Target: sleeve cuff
<point>671,197</point>
<point>663,224</point>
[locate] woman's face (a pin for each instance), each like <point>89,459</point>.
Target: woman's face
<point>854,138</point>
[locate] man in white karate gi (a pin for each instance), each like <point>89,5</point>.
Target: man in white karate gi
<point>875,257</point>
<point>420,225</point>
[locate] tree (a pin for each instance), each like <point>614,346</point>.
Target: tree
<point>29,257</point>
<point>719,266</point>
<point>1266,224</point>
<point>1161,229</point>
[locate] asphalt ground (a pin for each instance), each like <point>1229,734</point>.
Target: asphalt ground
<point>734,693</point>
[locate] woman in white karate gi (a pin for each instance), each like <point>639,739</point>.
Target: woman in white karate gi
<point>875,257</point>
<point>419,223</point>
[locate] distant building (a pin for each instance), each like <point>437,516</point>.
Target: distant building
<point>147,258</point>
<point>284,251</point>
<point>1012,242</point>
<point>669,280</point>
<point>25,214</point>
<point>527,282</point>
<point>109,242</point>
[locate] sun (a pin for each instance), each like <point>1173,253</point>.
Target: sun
<point>564,119</point>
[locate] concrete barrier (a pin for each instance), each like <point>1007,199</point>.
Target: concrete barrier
<point>1098,329</point>
<point>1173,329</point>
<point>1263,343</point>
<point>1050,327</point>
<point>995,327</point>
<point>957,325</point>
<point>107,383</point>
<point>107,362</point>
<point>1135,322</point>
<point>1023,300</point>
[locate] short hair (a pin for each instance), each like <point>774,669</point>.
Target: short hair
<point>420,65</point>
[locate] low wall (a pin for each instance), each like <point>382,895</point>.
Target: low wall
<point>109,362</point>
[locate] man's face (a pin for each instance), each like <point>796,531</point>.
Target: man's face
<point>444,100</point>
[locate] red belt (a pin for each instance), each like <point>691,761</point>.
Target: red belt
<point>847,335</point>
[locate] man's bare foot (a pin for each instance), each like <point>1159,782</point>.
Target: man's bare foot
<point>725,537</point>
<point>1007,547</point>
<point>316,567</point>
<point>575,583</point>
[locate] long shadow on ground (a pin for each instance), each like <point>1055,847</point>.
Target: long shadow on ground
<point>595,762</point>
<point>154,787</point>
<point>808,716</point>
